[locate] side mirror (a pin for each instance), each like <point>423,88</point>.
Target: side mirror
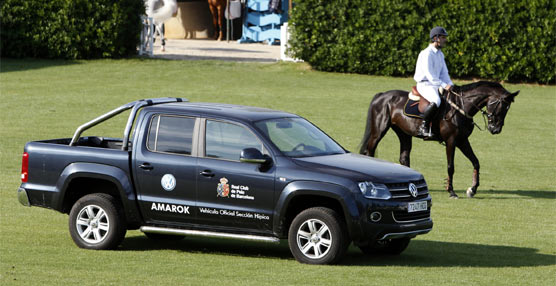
<point>254,156</point>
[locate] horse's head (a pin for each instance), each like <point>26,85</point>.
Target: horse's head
<point>497,108</point>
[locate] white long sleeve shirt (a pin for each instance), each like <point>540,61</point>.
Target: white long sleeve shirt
<point>431,68</point>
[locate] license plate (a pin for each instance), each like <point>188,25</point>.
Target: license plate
<point>416,207</point>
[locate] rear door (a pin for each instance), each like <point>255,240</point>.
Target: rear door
<point>231,193</point>
<point>165,166</point>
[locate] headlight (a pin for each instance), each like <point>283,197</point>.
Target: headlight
<point>374,191</point>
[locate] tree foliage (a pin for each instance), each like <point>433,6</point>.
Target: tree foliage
<point>494,39</point>
<point>70,29</point>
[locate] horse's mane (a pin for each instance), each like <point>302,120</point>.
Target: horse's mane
<point>474,85</point>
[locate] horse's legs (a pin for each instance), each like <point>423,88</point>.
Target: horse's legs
<point>379,127</point>
<point>220,16</point>
<point>162,39</point>
<point>405,145</point>
<point>450,152</point>
<point>214,13</point>
<point>466,149</point>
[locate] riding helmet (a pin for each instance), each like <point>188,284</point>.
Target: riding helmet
<point>438,31</point>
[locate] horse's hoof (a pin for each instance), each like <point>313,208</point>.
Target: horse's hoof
<point>470,193</point>
<point>454,196</point>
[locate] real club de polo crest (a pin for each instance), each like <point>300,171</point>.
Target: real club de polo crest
<point>223,189</point>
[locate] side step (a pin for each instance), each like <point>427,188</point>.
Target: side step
<point>176,231</point>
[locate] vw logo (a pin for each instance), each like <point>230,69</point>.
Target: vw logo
<point>168,182</point>
<point>413,190</point>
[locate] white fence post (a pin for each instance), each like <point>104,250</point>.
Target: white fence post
<point>147,36</point>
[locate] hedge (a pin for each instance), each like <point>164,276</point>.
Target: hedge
<point>491,39</point>
<point>71,29</point>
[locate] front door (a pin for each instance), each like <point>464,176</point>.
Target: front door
<point>230,193</point>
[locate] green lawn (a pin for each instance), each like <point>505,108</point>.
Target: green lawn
<point>505,236</point>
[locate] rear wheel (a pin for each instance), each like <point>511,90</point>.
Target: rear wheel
<point>388,247</point>
<point>318,236</point>
<point>97,222</point>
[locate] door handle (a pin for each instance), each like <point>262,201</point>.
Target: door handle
<point>146,166</point>
<point>207,173</point>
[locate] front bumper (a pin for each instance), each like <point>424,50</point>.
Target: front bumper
<point>395,221</point>
<point>22,197</point>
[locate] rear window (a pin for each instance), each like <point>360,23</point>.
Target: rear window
<point>171,134</point>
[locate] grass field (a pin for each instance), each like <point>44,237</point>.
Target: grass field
<point>505,236</point>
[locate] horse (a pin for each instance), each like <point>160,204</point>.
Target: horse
<point>160,11</point>
<point>217,8</point>
<point>453,122</point>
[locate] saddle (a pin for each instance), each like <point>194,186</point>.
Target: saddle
<point>416,104</point>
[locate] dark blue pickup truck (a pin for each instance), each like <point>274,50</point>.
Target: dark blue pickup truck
<point>219,170</point>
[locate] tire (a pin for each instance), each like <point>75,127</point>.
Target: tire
<point>318,236</point>
<point>160,236</point>
<point>386,247</point>
<point>96,221</point>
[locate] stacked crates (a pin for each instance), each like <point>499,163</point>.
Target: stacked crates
<point>260,25</point>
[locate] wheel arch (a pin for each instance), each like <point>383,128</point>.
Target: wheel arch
<point>80,179</point>
<point>298,196</point>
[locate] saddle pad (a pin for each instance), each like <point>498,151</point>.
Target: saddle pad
<point>411,109</point>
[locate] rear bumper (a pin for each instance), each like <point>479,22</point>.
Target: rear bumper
<point>22,197</point>
<point>33,195</point>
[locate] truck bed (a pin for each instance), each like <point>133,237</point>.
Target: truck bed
<point>91,141</point>
<point>51,161</point>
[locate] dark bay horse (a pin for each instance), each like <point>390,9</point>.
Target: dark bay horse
<point>452,126</point>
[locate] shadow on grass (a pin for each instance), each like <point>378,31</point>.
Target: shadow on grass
<point>502,194</point>
<point>425,253</point>
<point>210,246</point>
<point>532,194</point>
<point>12,65</point>
<point>421,253</point>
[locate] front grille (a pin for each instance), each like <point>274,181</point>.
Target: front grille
<point>404,216</point>
<point>400,191</point>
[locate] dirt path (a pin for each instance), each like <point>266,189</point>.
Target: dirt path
<point>215,50</point>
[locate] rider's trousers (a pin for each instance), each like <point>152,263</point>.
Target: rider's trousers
<point>429,92</point>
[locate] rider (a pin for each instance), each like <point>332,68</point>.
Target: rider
<point>431,73</point>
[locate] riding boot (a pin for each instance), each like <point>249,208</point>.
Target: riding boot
<point>429,113</point>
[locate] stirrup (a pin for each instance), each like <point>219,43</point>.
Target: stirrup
<point>424,133</point>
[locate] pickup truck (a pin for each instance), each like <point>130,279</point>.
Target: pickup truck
<point>228,171</point>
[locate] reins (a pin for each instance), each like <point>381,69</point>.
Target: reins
<point>462,112</point>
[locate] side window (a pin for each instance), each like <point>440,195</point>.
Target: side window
<point>171,134</point>
<point>226,140</point>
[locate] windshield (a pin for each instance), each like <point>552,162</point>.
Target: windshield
<point>297,137</point>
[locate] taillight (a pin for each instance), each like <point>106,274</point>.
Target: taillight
<point>25,167</point>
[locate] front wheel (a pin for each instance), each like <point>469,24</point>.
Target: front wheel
<point>96,222</point>
<point>318,236</point>
<point>387,247</point>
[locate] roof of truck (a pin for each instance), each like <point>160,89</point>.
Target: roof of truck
<point>249,113</point>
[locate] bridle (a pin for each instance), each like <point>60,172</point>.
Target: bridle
<point>487,116</point>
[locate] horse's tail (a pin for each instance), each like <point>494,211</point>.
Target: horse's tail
<point>368,128</point>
